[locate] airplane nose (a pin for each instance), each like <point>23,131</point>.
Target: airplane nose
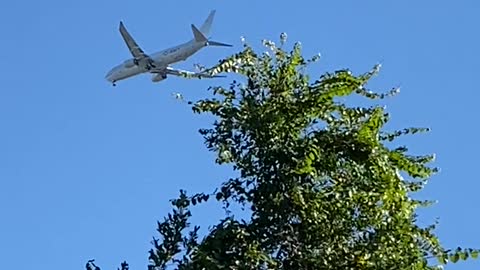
<point>109,76</point>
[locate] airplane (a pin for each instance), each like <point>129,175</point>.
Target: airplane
<point>159,63</point>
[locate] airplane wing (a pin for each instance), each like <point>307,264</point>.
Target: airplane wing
<point>185,73</point>
<point>137,52</point>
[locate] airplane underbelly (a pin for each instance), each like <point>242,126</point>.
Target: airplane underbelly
<point>173,58</point>
<point>180,57</point>
<point>129,72</point>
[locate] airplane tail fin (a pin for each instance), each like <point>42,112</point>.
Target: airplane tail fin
<point>207,25</point>
<point>200,37</point>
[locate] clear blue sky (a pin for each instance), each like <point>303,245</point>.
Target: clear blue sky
<point>86,169</point>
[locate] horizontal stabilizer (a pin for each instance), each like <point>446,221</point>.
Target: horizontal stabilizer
<point>216,43</point>
<point>200,37</point>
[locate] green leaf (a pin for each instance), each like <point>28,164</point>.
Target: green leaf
<point>369,131</point>
<point>455,257</point>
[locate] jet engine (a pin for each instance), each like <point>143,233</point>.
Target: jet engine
<point>159,77</point>
<point>129,63</point>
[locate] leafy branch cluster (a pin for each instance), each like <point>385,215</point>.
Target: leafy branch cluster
<point>320,185</point>
<point>323,190</point>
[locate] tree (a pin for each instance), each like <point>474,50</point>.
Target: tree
<point>322,188</point>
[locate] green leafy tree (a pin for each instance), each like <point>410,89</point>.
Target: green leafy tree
<point>320,185</point>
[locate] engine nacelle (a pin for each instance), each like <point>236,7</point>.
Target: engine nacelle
<point>129,63</point>
<point>159,77</point>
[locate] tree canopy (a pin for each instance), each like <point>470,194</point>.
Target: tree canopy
<point>318,179</point>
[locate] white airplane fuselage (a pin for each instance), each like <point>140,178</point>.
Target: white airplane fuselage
<point>162,59</point>
<point>159,64</point>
